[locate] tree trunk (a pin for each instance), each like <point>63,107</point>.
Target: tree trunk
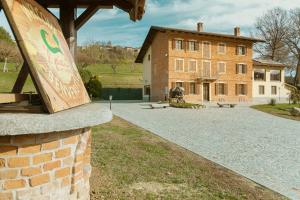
<point>297,77</point>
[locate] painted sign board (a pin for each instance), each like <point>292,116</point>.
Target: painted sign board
<point>44,47</point>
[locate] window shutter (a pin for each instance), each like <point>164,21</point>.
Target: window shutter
<point>236,89</point>
<point>183,45</point>
<point>226,89</point>
<point>244,69</point>
<point>173,85</point>
<point>216,88</point>
<point>197,88</point>
<point>173,44</point>
<point>245,50</point>
<point>188,88</point>
<point>187,45</point>
<point>246,89</point>
<point>197,46</point>
<point>237,68</point>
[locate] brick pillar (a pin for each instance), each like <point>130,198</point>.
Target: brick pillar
<point>46,166</point>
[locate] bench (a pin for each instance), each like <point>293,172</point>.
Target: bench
<point>157,106</point>
<point>222,105</point>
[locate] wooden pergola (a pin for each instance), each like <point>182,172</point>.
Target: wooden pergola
<point>70,23</point>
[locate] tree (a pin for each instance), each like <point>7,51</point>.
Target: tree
<point>5,36</point>
<point>292,41</point>
<point>272,28</point>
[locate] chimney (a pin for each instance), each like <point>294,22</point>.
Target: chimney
<point>237,31</point>
<point>200,27</point>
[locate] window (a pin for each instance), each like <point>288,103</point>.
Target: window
<point>259,74</point>
<point>221,89</point>
<point>206,68</point>
<point>193,46</point>
<point>192,88</point>
<point>241,68</point>
<point>149,57</point>
<point>179,65</point>
<point>241,50</point>
<point>206,50</point>
<point>261,90</point>
<point>221,67</point>
<point>241,89</point>
<point>147,90</point>
<point>179,84</point>
<point>221,48</point>
<point>179,44</point>
<point>192,66</point>
<point>275,75</point>
<point>273,90</point>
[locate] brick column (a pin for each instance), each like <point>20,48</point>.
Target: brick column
<point>46,166</point>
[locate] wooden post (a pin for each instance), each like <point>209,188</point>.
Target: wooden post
<point>20,82</point>
<point>68,14</point>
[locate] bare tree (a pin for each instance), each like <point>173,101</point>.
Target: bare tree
<point>272,28</point>
<point>293,41</point>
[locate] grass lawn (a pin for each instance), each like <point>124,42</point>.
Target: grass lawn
<point>280,110</point>
<point>126,76</point>
<point>132,163</point>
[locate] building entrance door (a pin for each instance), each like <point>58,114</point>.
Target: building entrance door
<point>206,94</point>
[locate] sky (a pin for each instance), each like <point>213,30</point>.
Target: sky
<point>219,16</point>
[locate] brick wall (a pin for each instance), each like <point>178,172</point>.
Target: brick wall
<point>45,166</point>
<point>163,66</point>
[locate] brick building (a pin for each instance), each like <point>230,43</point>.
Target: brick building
<point>209,66</point>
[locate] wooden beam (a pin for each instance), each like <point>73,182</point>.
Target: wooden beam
<point>22,77</point>
<point>14,98</point>
<point>68,15</point>
<point>85,16</point>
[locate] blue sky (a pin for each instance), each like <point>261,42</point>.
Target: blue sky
<point>217,16</point>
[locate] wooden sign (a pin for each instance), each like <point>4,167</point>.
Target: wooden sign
<point>45,49</point>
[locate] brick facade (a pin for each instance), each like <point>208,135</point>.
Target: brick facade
<point>164,55</point>
<point>46,166</point>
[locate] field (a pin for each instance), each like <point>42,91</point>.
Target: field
<point>126,76</point>
<point>132,163</point>
<point>280,110</point>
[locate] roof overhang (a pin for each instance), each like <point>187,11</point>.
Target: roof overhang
<point>135,8</point>
<point>155,29</point>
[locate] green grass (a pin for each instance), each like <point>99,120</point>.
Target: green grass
<point>7,79</point>
<point>280,110</point>
<point>132,163</point>
<point>185,105</point>
<point>125,76</point>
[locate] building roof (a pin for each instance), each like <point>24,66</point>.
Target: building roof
<point>155,29</point>
<point>267,62</point>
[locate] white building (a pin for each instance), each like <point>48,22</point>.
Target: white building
<point>269,82</point>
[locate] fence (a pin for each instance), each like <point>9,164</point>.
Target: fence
<point>123,93</point>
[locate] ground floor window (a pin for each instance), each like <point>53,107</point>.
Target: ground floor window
<point>147,90</point>
<point>192,88</point>
<point>241,89</point>
<point>221,89</point>
<point>261,90</point>
<point>179,84</point>
<point>273,90</point>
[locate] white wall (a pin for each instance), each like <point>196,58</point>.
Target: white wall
<point>282,93</point>
<point>147,71</point>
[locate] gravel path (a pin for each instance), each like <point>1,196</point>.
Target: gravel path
<point>259,146</point>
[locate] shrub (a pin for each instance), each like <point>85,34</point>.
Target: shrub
<point>295,112</point>
<point>94,87</point>
<point>86,75</point>
<point>272,102</point>
<point>186,105</point>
